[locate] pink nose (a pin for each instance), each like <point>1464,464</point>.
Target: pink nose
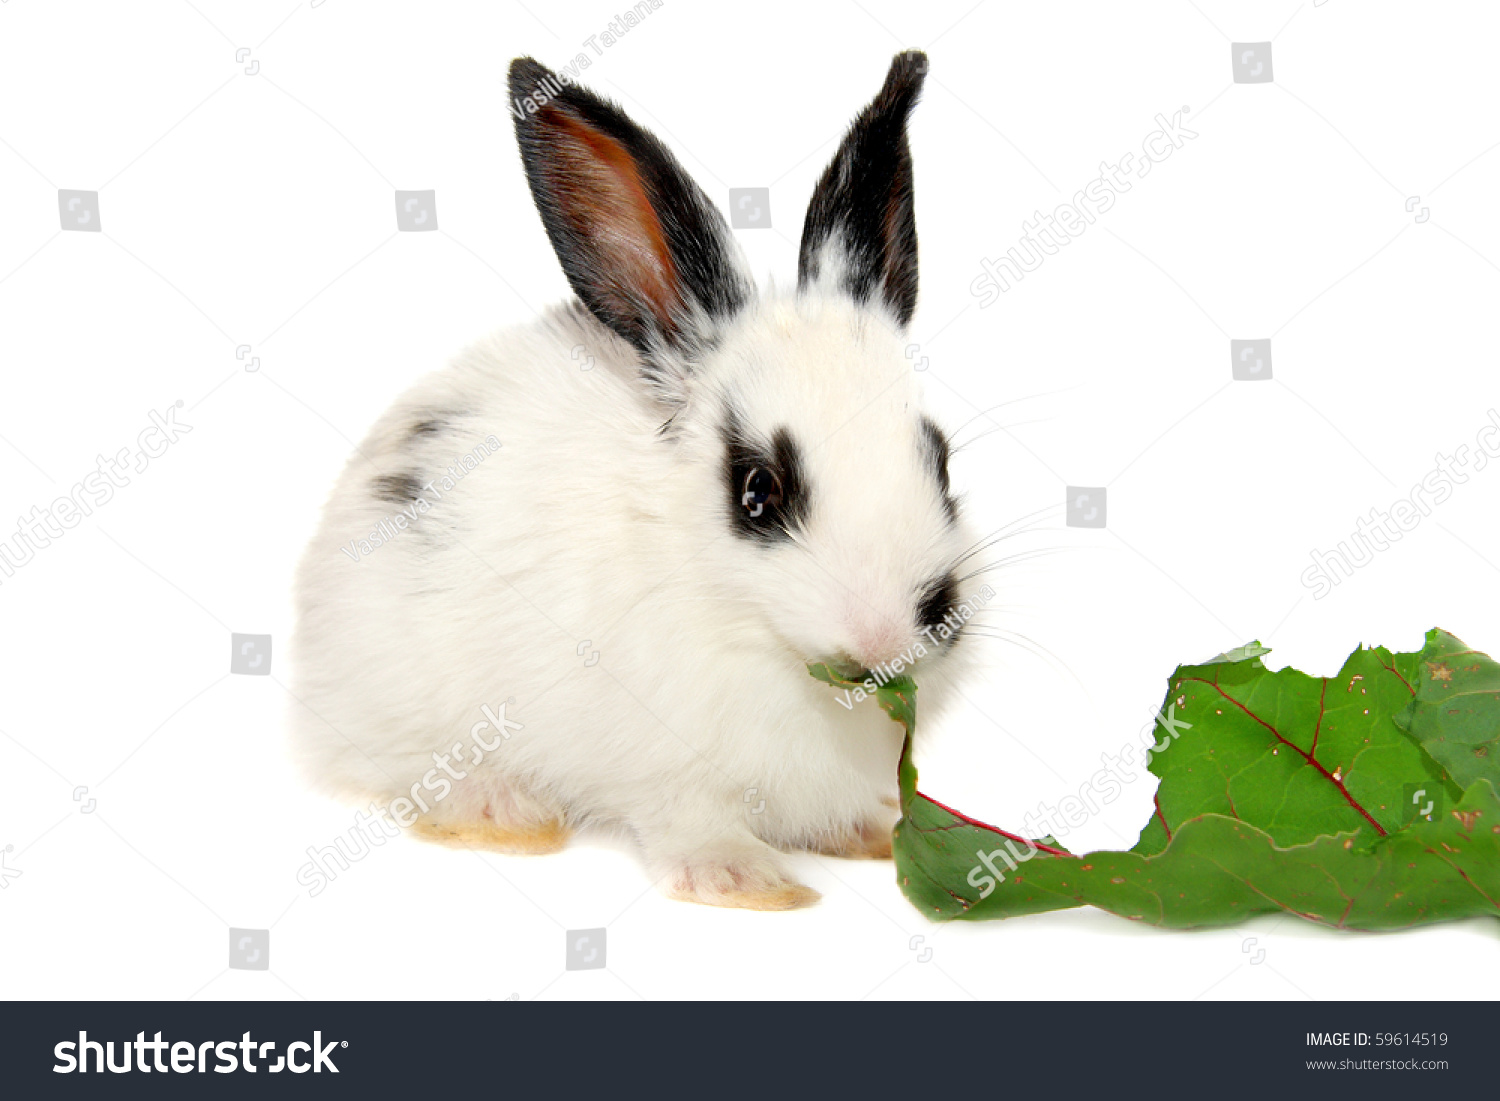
<point>875,642</point>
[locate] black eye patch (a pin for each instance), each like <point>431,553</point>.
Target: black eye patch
<point>767,496</point>
<point>935,453</point>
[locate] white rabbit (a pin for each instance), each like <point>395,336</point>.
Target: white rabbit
<point>689,492</point>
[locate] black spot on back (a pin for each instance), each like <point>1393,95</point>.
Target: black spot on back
<point>428,426</point>
<point>396,488</point>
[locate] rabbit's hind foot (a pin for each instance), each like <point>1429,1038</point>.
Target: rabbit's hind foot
<point>533,839</point>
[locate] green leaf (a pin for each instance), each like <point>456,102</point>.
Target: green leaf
<point>1280,792</point>
<point>1216,871</point>
<point>1296,756</point>
<point>1240,653</point>
<point>1455,716</point>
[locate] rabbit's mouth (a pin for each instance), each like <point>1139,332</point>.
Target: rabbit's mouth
<point>848,668</point>
<point>904,663</point>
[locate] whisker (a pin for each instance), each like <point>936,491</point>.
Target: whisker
<point>1005,532</point>
<point>995,542</point>
<point>1022,556</point>
<point>956,448</point>
<point>1036,649</point>
<point>1003,404</point>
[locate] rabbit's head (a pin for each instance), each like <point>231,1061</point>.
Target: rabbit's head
<point>819,488</point>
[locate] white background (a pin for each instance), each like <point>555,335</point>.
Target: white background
<point>258,209</point>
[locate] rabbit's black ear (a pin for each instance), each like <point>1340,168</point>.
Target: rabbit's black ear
<point>861,230</point>
<point>641,244</point>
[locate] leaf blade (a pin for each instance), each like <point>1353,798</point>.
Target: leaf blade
<point>1282,795</point>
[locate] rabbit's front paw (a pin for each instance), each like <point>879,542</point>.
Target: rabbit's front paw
<point>750,883</point>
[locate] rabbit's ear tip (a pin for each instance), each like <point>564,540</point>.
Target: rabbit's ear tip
<point>908,67</point>
<point>902,84</point>
<point>862,207</point>
<point>527,70</point>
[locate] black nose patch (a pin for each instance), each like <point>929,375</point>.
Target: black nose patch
<point>937,601</point>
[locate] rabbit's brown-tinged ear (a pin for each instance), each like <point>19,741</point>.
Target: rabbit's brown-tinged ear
<point>861,230</point>
<point>641,244</point>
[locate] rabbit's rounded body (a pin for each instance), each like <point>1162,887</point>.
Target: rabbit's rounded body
<point>694,722</point>
<point>577,576</point>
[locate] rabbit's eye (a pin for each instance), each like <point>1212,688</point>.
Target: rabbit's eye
<point>761,497</point>
<point>766,494</point>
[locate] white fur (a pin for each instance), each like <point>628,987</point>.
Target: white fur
<point>590,524</point>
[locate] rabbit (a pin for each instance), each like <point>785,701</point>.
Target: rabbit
<point>585,567</point>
